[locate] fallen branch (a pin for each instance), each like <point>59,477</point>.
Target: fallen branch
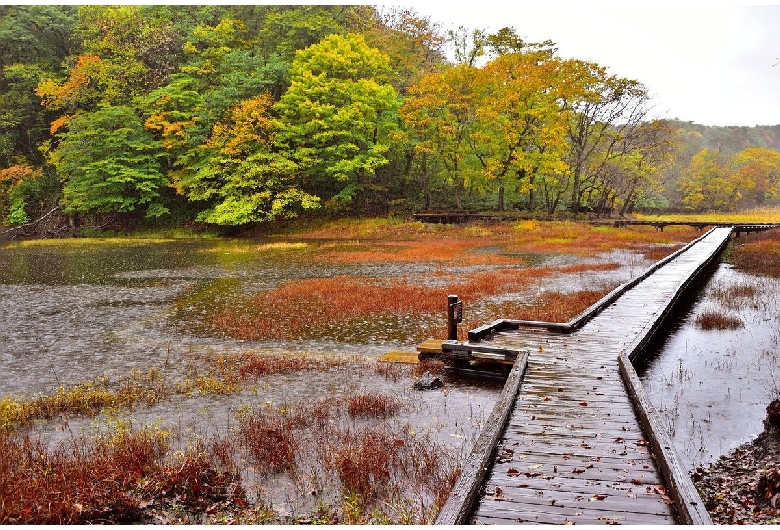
<point>32,223</point>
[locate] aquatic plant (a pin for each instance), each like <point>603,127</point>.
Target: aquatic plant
<point>364,405</point>
<point>717,320</point>
<point>118,477</point>
<point>270,440</point>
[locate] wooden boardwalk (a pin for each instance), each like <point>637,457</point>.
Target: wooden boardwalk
<point>572,448</point>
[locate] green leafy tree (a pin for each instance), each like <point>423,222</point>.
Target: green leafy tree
<point>108,162</point>
<point>241,179</point>
<point>23,121</point>
<point>36,34</point>
<point>339,116</point>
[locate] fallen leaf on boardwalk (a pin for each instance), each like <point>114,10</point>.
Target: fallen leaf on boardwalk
<point>522,485</point>
<point>575,470</point>
<point>636,482</point>
<point>513,472</point>
<point>535,466</point>
<point>532,474</point>
<point>584,403</point>
<point>598,497</point>
<point>619,440</point>
<point>589,466</point>
<point>659,489</point>
<point>547,398</point>
<point>642,442</point>
<point>585,446</point>
<point>566,521</point>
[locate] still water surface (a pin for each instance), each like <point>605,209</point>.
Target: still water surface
<point>712,387</point>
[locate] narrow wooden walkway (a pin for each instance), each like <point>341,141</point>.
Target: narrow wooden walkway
<point>573,449</point>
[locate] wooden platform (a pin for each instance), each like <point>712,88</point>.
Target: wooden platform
<point>573,449</point>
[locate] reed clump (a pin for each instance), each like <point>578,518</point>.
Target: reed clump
<point>270,440</point>
<point>85,398</point>
<point>711,319</point>
<point>366,405</point>
<point>115,478</point>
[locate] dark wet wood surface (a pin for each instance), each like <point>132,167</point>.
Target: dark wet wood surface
<point>573,449</point>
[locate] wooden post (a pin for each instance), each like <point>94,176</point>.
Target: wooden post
<point>454,316</point>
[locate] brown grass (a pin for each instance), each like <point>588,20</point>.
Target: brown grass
<point>759,253</point>
<point>715,320</point>
<point>362,461</point>
<point>109,480</point>
<point>296,309</point>
<point>270,440</point>
<point>304,308</point>
<point>362,405</point>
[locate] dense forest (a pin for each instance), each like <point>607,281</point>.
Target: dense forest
<point>237,115</point>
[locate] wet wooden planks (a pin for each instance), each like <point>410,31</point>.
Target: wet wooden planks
<point>573,450</point>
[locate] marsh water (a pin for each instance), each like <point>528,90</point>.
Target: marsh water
<point>78,310</point>
<point>712,387</point>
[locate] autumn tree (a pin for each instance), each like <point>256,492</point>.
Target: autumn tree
<point>414,43</point>
<point>709,184</point>
<point>758,172</point>
<point>241,178</point>
<point>522,131</point>
<point>633,176</point>
<point>605,111</point>
<point>440,113</point>
<point>338,117</point>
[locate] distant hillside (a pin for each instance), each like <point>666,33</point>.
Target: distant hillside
<point>728,140</point>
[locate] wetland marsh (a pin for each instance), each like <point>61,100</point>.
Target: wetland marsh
<point>214,345</point>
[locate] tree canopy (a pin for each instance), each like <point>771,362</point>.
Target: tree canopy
<point>238,115</point>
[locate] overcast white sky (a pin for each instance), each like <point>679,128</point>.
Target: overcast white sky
<point>704,62</point>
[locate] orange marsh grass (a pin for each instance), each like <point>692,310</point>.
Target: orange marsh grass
<point>300,307</point>
<point>759,253</point>
<point>111,479</point>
